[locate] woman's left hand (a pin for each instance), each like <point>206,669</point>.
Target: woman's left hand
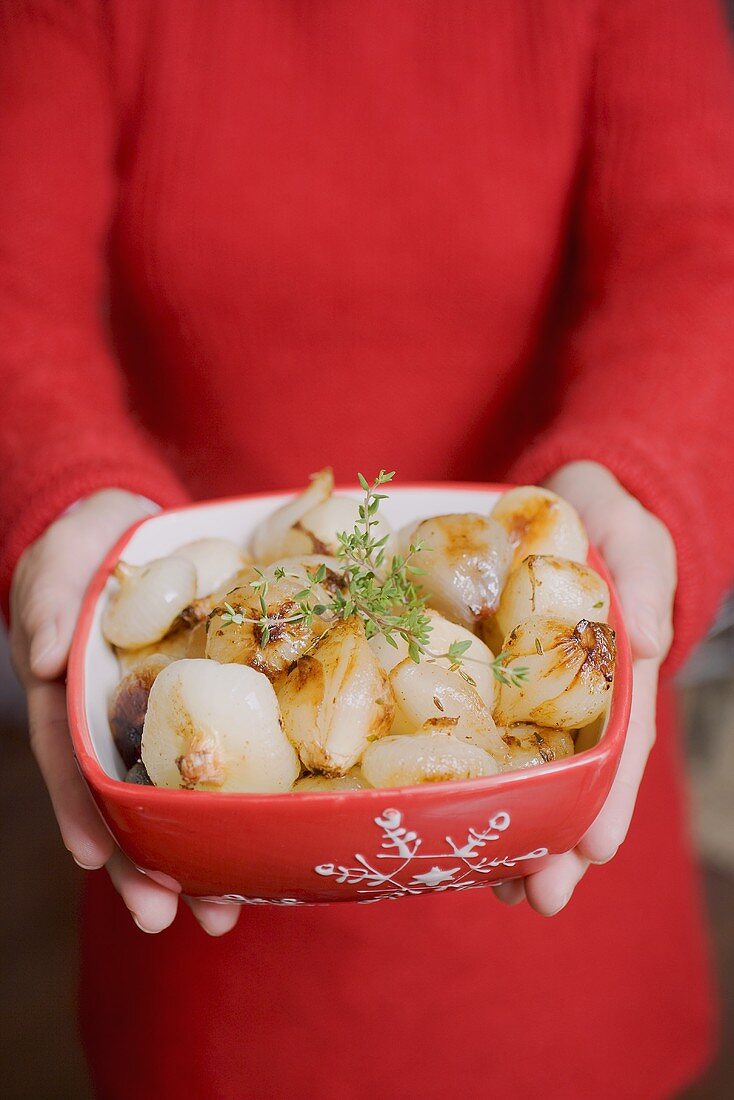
<point>640,555</point>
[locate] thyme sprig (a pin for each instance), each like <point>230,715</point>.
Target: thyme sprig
<point>506,675</point>
<point>383,594</point>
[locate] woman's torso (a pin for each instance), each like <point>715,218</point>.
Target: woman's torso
<point>339,238</point>
<point>340,230</point>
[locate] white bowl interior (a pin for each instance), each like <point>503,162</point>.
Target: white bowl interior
<point>236,520</point>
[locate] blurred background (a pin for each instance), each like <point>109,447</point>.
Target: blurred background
<point>38,922</point>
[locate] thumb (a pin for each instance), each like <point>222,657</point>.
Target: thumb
<point>51,577</point>
<point>640,556</point>
<point>48,616</point>
<point>44,607</point>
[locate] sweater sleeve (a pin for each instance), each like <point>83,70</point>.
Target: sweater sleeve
<point>65,427</point>
<point>646,384</point>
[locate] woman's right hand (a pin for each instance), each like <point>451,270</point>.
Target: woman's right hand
<point>48,587</point>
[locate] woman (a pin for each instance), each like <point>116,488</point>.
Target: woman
<point>460,240</point>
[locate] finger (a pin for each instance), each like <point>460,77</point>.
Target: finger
<point>639,554</point>
<point>50,645</point>
<point>82,829</point>
<point>216,918</point>
<point>610,827</point>
<point>510,893</point>
<point>47,612</point>
<point>548,891</point>
<point>151,906</point>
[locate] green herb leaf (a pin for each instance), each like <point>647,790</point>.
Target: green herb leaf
<point>458,649</point>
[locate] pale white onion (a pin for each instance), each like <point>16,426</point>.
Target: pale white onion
<point>387,654</point>
<point>547,585</point>
<point>216,727</point>
<point>466,559</point>
<point>428,691</point>
<point>424,757</point>
<point>529,746</point>
<point>241,579</point>
<point>335,700</point>
<point>148,600</point>
<point>568,673</point>
<point>216,562</point>
<point>403,539</point>
<point>335,516</point>
<point>538,521</point>
<point>476,660</point>
<point>278,535</point>
<point>352,781</point>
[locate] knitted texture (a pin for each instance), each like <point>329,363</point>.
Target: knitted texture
<point>362,265</point>
<point>241,241</point>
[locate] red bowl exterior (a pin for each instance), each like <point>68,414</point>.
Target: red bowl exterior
<point>313,848</point>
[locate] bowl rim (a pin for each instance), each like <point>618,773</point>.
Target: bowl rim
<point>117,790</point>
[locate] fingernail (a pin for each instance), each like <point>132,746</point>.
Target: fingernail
<point>44,643</point>
<point>564,903</point>
<point>607,859</point>
<point>148,931</point>
<point>215,934</point>
<point>85,866</point>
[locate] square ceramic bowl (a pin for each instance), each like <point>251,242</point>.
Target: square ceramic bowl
<point>317,847</point>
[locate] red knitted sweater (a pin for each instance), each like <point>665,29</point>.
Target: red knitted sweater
<point>457,239</point>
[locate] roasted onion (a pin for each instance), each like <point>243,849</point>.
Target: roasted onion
<point>465,559</point>
<point>538,521</point>
<point>546,585</point>
<point>216,727</point>
<point>476,660</point>
<point>289,636</point>
<point>279,535</point>
<point>337,515</point>
<point>335,700</point>
<point>129,703</point>
<point>216,561</point>
<point>529,746</point>
<point>428,691</point>
<point>138,775</point>
<point>352,781</point>
<point>175,646</point>
<point>557,675</point>
<point>148,601</point>
<point>429,756</point>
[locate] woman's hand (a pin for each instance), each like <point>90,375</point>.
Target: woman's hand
<point>47,591</point>
<point>640,556</point>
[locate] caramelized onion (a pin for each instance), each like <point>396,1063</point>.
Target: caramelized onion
<point>335,700</point>
<point>568,673</point>
<point>465,560</point>
<point>538,521</point>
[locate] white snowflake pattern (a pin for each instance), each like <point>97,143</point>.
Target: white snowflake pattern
<point>434,877</point>
<point>454,869</point>
<point>402,847</point>
<point>240,899</point>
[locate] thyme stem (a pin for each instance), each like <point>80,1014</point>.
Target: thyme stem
<point>383,595</point>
